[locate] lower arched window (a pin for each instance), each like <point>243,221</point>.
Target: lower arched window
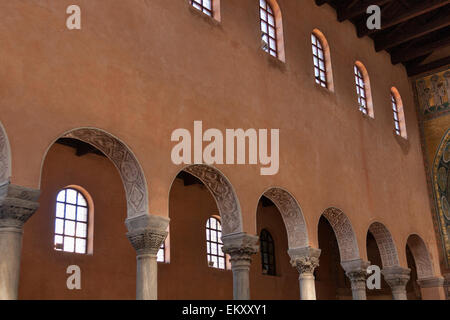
<point>215,255</point>
<point>71,221</point>
<point>267,253</point>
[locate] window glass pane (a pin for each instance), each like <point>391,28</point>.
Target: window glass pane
<point>82,214</point>
<point>60,210</point>
<point>71,196</point>
<point>59,225</point>
<point>81,230</point>
<point>80,246</point>
<point>70,212</point>
<point>61,196</point>
<point>69,228</point>
<point>81,200</point>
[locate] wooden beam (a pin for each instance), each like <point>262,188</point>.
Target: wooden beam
<point>413,71</point>
<point>389,41</point>
<point>346,13</point>
<point>407,54</point>
<point>415,11</point>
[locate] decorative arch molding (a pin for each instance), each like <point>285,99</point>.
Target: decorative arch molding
<point>385,243</point>
<point>441,191</point>
<point>345,235</point>
<point>129,168</point>
<point>421,257</point>
<point>5,157</point>
<point>292,214</point>
<point>224,195</point>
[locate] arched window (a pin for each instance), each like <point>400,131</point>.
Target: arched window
<point>71,222</point>
<point>363,89</point>
<point>321,59</point>
<point>399,116</point>
<point>268,28</point>
<point>215,255</point>
<point>267,253</point>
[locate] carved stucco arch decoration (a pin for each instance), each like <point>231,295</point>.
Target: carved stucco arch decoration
<point>345,235</point>
<point>293,218</point>
<point>129,168</point>
<point>421,257</point>
<point>5,157</point>
<point>224,195</point>
<point>385,243</point>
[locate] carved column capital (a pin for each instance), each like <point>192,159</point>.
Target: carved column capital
<point>432,282</point>
<point>305,260</point>
<point>17,205</point>
<point>356,271</point>
<point>146,233</point>
<point>240,246</point>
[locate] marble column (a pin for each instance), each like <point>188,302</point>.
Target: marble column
<point>356,271</point>
<point>146,233</point>
<point>397,278</point>
<point>17,205</point>
<point>240,247</point>
<point>305,260</point>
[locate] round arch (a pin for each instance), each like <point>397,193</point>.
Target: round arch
<point>345,235</point>
<point>421,257</point>
<point>292,215</point>
<point>223,193</point>
<point>5,157</point>
<point>385,243</point>
<point>123,158</point>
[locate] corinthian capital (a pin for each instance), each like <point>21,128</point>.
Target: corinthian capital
<point>304,259</point>
<point>240,246</point>
<point>396,277</point>
<point>17,205</point>
<point>356,271</point>
<point>146,233</point>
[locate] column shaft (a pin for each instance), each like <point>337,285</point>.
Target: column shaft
<point>147,277</point>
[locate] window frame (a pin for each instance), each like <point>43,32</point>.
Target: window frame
<point>399,112</point>
<point>361,88</point>
<point>268,12</point>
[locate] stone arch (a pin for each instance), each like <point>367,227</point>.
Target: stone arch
<point>126,163</point>
<point>421,257</point>
<point>292,215</point>
<point>5,157</point>
<point>345,235</point>
<point>385,243</point>
<point>223,193</point>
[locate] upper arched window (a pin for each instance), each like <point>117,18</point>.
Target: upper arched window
<point>267,253</point>
<point>363,89</point>
<point>399,115</point>
<point>321,59</point>
<point>71,221</point>
<point>215,255</point>
<point>208,7</point>
<point>271,28</point>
